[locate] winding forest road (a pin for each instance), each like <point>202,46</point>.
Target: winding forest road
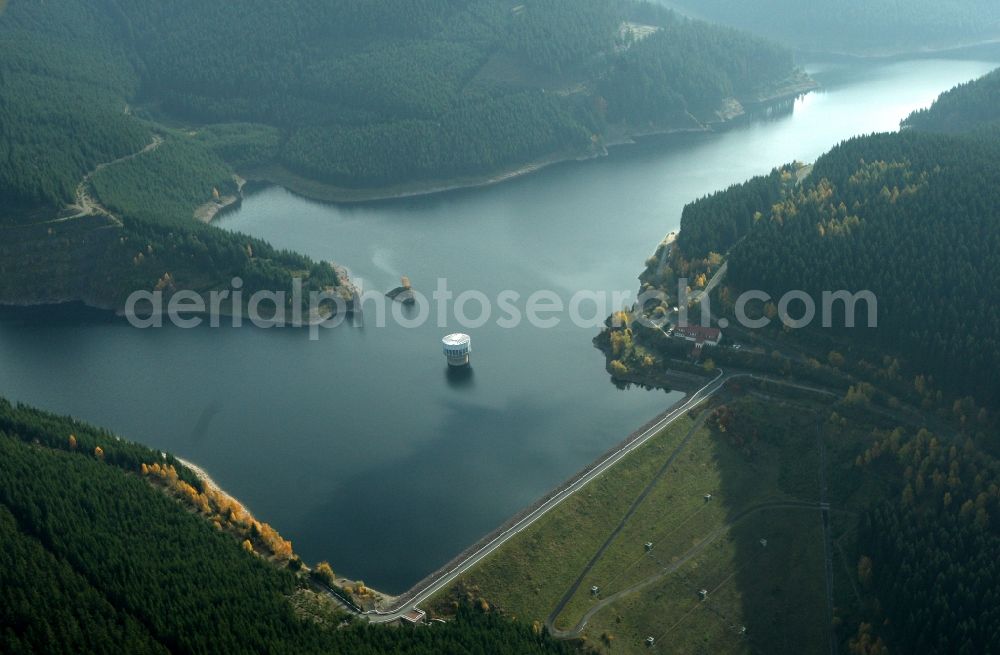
<point>84,204</point>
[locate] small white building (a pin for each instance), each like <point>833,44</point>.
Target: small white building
<point>457,348</point>
<point>699,336</point>
<point>708,336</point>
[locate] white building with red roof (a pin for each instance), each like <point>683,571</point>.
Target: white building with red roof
<point>700,336</point>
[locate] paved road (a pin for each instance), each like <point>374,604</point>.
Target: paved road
<point>476,557</point>
<point>699,396</point>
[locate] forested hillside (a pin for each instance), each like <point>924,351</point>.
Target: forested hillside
<point>912,217</point>
<point>67,77</point>
<point>96,559</point>
<point>966,107</point>
<point>124,117</point>
<point>860,26</point>
<point>362,93</point>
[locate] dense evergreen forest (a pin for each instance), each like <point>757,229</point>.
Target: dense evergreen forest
<point>361,93</point>
<point>968,106</point>
<point>97,559</point>
<point>911,216</point>
<point>860,26</point>
<point>930,549</point>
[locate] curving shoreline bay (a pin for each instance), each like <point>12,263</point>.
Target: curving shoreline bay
<point>275,174</point>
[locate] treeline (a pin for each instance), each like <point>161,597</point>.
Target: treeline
<point>858,25</point>
<point>98,560</point>
<point>968,106</point>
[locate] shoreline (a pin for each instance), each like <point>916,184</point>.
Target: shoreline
<point>277,175</point>
<point>903,53</point>
<point>347,290</point>
<point>211,484</point>
<point>209,211</point>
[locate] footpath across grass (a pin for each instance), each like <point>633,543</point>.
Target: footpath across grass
<point>529,574</point>
<point>726,500</point>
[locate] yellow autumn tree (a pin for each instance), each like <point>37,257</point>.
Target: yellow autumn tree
<point>324,572</point>
<point>98,452</point>
<point>247,546</point>
<point>617,343</point>
<point>72,442</point>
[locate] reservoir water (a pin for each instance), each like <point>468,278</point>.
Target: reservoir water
<point>360,447</point>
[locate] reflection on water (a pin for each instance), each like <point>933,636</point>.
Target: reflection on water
<point>460,377</point>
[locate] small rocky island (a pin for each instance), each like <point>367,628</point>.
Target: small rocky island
<point>403,293</point>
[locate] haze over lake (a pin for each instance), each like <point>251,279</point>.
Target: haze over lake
<point>359,447</point>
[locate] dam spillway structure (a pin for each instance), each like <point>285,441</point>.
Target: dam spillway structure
<point>457,348</point>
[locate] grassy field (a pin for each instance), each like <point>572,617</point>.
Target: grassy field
<point>530,573</point>
<point>760,459</point>
<point>776,592</point>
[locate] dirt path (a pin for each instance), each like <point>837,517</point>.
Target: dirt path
<point>577,630</point>
<point>551,620</point>
<point>84,204</point>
